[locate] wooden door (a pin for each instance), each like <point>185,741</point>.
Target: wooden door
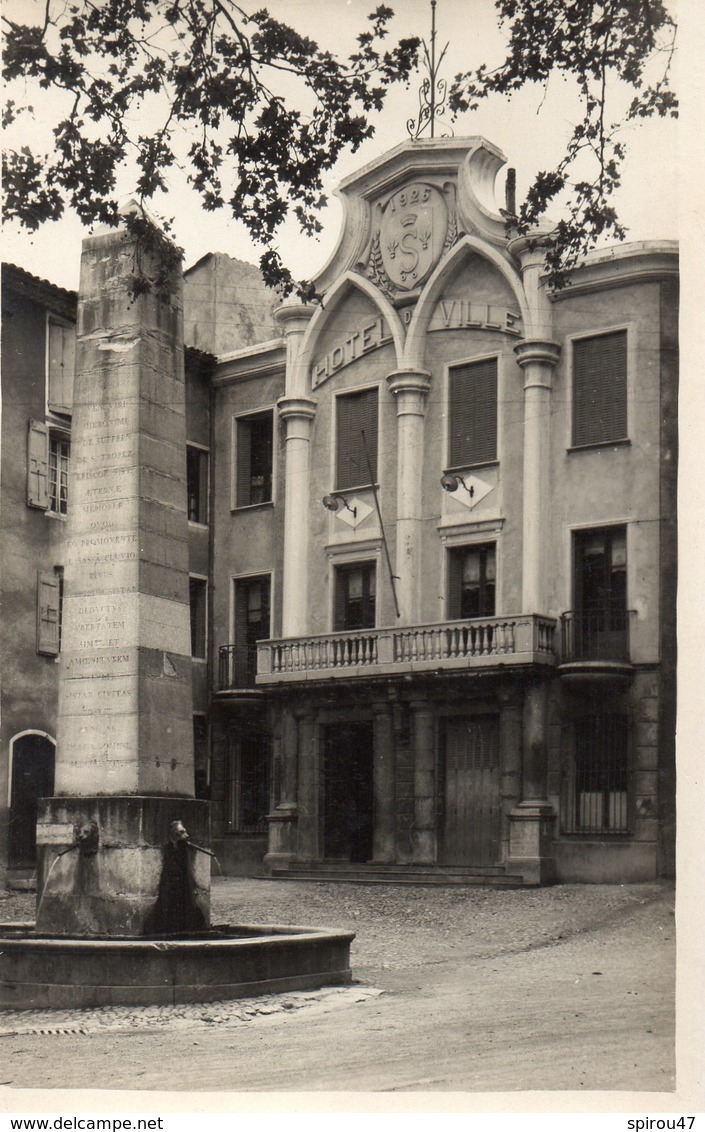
<point>471,826</point>
<point>348,797</point>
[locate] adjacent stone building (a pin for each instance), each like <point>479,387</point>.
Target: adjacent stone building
<point>432,548</point>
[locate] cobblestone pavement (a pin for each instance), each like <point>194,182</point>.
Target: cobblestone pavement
<point>454,988</point>
<point>398,929</point>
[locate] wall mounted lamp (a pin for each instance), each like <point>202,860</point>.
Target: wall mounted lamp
<point>335,502</point>
<point>452,483</point>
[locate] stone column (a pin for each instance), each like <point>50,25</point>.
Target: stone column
<point>297,410</point>
<point>537,360</point>
<point>383,784</point>
<point>531,822</point>
<point>425,840</point>
<point>124,765</point>
<point>410,389</point>
<point>510,732</point>
<point>308,777</point>
<point>282,822</point>
<point>297,413</point>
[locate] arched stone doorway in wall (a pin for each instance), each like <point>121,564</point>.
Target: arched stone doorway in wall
<point>32,777</point>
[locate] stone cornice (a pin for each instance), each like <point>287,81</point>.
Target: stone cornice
<point>647,261</point>
<point>250,362</point>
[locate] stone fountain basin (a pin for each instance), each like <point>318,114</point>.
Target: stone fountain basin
<point>43,971</point>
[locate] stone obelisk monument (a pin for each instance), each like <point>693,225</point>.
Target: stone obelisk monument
<point>124,768</point>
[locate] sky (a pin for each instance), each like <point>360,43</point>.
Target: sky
<point>531,130</point>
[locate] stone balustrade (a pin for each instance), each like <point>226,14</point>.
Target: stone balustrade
<point>483,642</point>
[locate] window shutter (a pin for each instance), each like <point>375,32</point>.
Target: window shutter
<point>48,600</point>
<point>242,602</point>
<point>61,366</point>
<point>600,389</point>
<point>473,414</point>
<point>368,425</point>
<point>243,470</point>
<point>356,413</point>
<point>344,440</point>
<point>38,465</point>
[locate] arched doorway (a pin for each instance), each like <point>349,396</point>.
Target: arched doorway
<point>32,770</point>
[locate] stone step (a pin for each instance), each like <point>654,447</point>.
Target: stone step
<point>383,867</point>
<point>21,880</point>
<point>400,875</point>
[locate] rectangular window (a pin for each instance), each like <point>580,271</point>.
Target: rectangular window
<point>600,389</point>
<point>595,788</point>
<point>356,459</point>
<point>252,624</point>
<point>472,573</point>
<point>198,593</point>
<point>48,456</point>
<point>249,781</point>
<point>600,619</point>
<point>197,484</point>
<point>254,458</point>
<point>50,594</point>
<point>59,453</point>
<point>355,588</point>
<point>61,351</point>
<point>473,414</point>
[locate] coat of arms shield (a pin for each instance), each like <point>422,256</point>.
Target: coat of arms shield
<point>412,234</point>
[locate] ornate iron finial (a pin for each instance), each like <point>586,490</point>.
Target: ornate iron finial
<point>432,92</point>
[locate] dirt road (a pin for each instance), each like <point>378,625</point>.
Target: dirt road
<point>566,988</point>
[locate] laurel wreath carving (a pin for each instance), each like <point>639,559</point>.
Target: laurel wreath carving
<point>375,268</point>
<point>452,232</point>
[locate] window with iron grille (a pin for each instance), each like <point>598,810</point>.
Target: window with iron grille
<point>600,389</point>
<point>254,459</point>
<point>252,624</point>
<point>248,793</point>
<point>197,484</point>
<point>596,780</point>
<point>356,457</point>
<point>473,414</point>
<point>599,626</point>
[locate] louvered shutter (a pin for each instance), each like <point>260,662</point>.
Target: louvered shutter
<point>344,441</point>
<point>473,414</point>
<point>48,601</point>
<point>368,426</point>
<point>38,465</point>
<point>356,413</point>
<point>243,470</point>
<point>242,601</point>
<point>600,389</point>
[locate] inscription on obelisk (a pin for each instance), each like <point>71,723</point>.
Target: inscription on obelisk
<point>125,734</point>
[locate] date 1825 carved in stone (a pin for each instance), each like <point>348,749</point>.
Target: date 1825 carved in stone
<point>412,234</point>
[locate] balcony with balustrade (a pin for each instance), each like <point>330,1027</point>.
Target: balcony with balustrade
<point>449,646</point>
<point>596,647</point>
